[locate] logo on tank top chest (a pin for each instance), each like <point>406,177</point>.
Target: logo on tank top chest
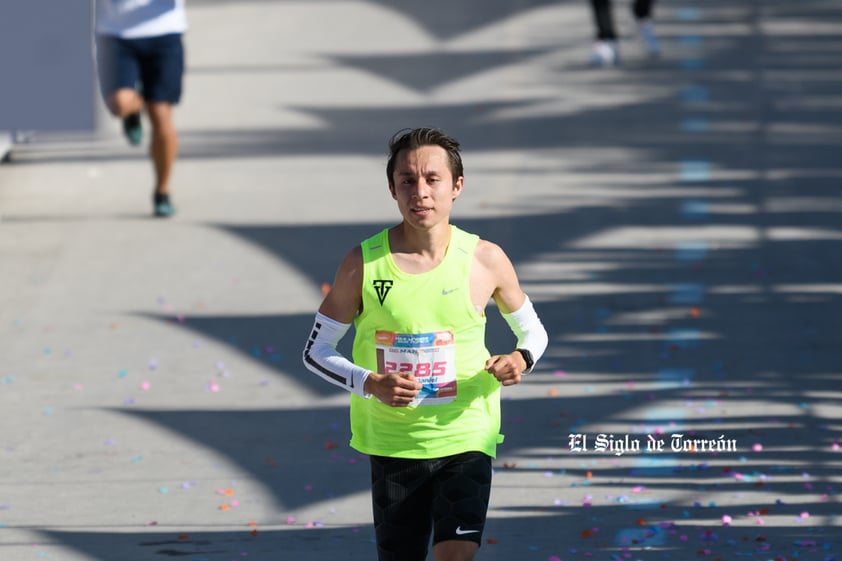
<point>382,287</point>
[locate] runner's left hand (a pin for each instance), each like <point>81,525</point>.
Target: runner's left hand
<point>508,369</point>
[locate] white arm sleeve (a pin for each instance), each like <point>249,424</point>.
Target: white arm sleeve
<point>527,327</point>
<point>321,357</point>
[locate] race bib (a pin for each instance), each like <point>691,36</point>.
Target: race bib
<point>430,357</point>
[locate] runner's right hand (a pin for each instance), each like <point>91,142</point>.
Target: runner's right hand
<point>395,390</point>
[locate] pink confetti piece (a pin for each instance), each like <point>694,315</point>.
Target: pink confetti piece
<point>726,520</point>
<point>145,386</point>
<point>805,514</point>
<point>757,447</point>
<point>290,519</point>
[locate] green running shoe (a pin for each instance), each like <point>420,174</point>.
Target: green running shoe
<point>162,207</point>
<point>133,129</point>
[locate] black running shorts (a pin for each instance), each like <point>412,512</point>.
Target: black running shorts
<point>412,499</point>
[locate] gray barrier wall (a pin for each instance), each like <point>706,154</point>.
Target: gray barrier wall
<point>46,66</point>
<point>5,144</point>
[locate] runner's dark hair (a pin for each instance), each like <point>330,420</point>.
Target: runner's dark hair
<point>411,139</point>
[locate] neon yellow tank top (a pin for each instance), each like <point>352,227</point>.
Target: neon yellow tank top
<point>425,324</point>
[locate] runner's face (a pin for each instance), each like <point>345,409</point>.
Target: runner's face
<point>423,185</point>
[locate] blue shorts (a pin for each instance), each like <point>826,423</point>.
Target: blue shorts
<point>154,65</point>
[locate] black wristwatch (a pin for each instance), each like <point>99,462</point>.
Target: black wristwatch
<point>527,357</point>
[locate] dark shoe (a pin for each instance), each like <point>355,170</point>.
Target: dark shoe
<point>162,207</point>
<point>133,129</point>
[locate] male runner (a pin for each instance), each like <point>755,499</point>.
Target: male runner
<point>425,403</point>
<point>140,60</point>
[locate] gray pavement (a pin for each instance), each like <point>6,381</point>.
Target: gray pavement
<point>676,221</point>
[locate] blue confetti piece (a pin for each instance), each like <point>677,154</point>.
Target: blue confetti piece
<point>669,378</point>
<point>684,338</point>
<point>691,40</point>
<point>694,209</point>
<point>695,170</point>
<point>691,64</point>
<point>691,251</point>
<point>639,536</point>
<point>695,94</point>
<point>687,293</point>
<point>694,125</point>
<point>688,14</point>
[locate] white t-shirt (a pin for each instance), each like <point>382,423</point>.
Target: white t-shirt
<point>134,19</point>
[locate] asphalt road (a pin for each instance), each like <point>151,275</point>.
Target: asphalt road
<point>676,222</point>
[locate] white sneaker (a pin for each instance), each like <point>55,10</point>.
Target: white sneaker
<point>647,35</point>
<point>605,53</point>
